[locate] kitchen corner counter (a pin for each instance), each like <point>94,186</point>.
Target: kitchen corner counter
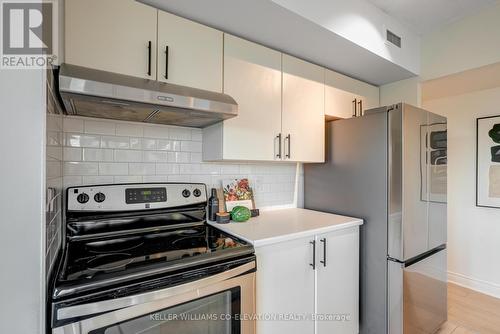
<point>275,226</point>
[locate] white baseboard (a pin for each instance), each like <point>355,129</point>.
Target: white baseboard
<point>485,287</point>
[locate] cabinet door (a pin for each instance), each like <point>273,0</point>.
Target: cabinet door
<point>339,104</point>
<point>252,76</point>
<point>341,90</point>
<point>189,54</point>
<point>113,35</point>
<point>338,281</point>
<point>285,286</point>
<point>303,118</point>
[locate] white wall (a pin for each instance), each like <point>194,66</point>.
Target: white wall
<point>364,24</point>
<point>22,209</point>
<point>473,232</point>
<point>104,151</point>
<point>468,43</point>
<point>407,91</point>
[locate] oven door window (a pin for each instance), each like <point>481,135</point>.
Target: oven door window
<point>214,314</point>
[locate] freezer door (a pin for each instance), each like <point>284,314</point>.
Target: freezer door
<point>417,182</point>
<point>418,295</point>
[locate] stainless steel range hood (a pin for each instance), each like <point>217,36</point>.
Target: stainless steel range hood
<point>94,93</point>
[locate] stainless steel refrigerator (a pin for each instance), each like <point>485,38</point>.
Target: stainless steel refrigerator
<point>389,167</point>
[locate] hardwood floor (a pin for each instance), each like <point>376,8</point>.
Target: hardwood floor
<point>471,312</point>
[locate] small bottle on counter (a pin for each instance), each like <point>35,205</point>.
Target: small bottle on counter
<point>213,205</point>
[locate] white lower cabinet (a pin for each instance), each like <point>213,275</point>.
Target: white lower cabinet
<point>318,275</point>
<point>285,286</point>
<point>337,281</point>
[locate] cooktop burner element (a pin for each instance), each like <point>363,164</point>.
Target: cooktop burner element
<point>109,261</point>
<point>114,246</point>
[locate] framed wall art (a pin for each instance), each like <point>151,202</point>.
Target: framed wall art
<point>488,162</point>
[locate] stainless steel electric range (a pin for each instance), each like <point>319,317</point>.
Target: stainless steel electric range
<point>140,258</point>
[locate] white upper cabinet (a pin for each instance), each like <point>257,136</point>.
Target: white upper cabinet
<point>113,35</point>
<point>346,97</point>
<point>252,76</point>
<point>189,54</point>
<point>303,113</point>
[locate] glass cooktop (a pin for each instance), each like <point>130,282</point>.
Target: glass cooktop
<point>91,260</point>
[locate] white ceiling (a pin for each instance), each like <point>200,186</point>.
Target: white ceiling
<point>424,16</point>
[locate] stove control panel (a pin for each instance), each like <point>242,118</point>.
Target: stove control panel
<point>135,196</point>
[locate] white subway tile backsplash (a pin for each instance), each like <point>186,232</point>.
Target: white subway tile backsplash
<point>97,154</point>
<point>80,168</point>
<point>54,123</point>
<point>179,157</point>
<point>54,152</point>
<point>142,169</point>
<point>162,169</point>
<point>176,178</point>
<point>124,152</point>
<point>72,154</point>
<point>229,169</point>
<point>80,140</point>
<point>155,178</point>
<point>196,135</point>
<point>189,169</point>
<point>210,168</point>
<point>191,146</point>
<point>245,169</point>
<point>106,179</point>
<point>154,131</point>
<point>72,124</point>
<point>128,156</point>
<point>72,180</point>
<point>54,138</point>
<point>135,143</point>
<point>130,130</point>
<point>149,144</point>
<point>113,168</point>
<point>127,179</point>
<point>169,145</point>
<point>195,157</point>
<point>155,156</point>
<point>115,142</point>
<point>180,133</point>
<point>99,127</point>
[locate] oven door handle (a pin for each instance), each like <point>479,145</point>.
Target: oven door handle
<point>119,303</point>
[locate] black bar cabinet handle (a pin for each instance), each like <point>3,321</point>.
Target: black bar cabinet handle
<point>149,58</point>
<point>360,103</point>
<point>313,243</point>
<point>289,146</point>
<point>324,252</point>
<point>279,146</point>
<point>355,110</point>
<point>166,62</point>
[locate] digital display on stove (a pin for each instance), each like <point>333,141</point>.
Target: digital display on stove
<point>145,195</point>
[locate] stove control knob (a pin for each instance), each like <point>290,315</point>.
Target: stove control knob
<point>99,197</point>
<point>186,193</point>
<point>82,198</point>
<point>197,192</point>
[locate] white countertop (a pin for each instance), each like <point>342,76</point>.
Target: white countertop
<point>286,224</point>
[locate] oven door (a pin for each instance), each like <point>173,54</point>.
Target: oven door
<point>219,304</point>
